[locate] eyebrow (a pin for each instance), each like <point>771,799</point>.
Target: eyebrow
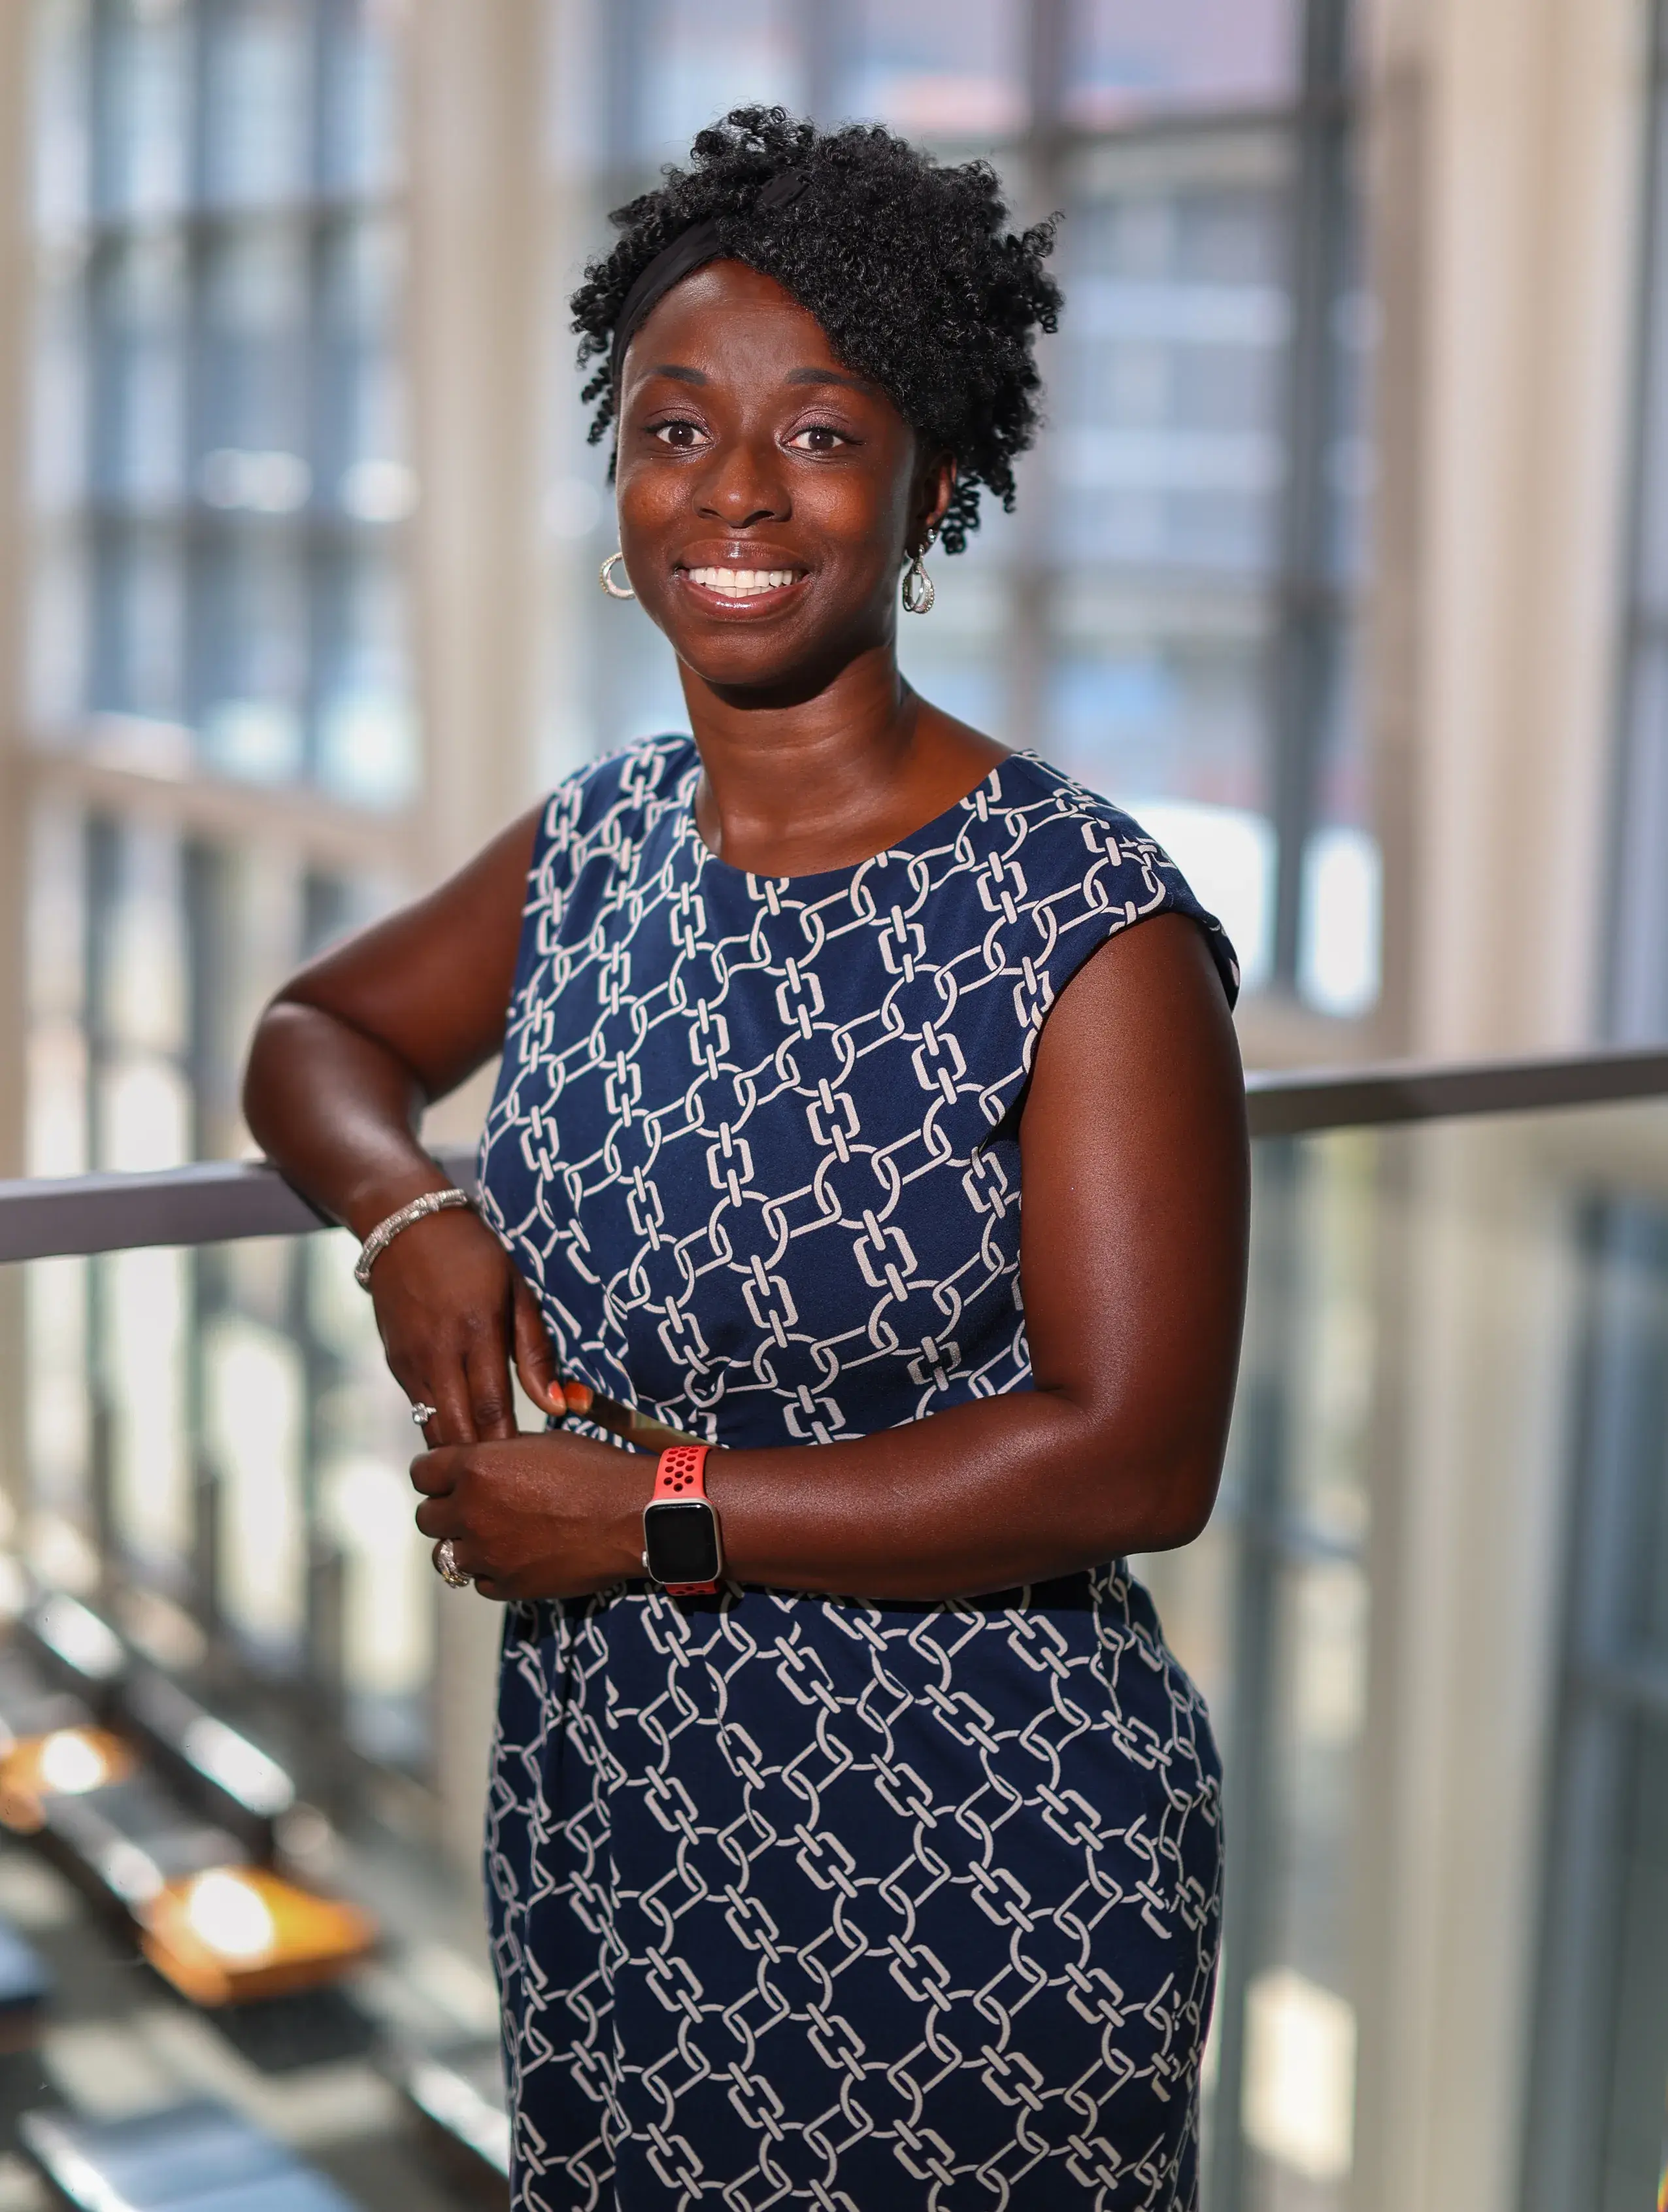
<point>826,376</point>
<point>681,374</point>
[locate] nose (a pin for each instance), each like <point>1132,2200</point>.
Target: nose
<point>741,486</point>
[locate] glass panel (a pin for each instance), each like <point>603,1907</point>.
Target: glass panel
<point>359,408</point>
<point>1125,58</point>
<point>143,143</point>
<point>63,144</point>
<point>249,654</point>
<point>1651,574</point>
<point>58,675</point>
<point>252,422</point>
<point>366,735</point>
<point>1340,923</point>
<point>1635,2029</point>
<point>197,370</point>
<point>139,614</point>
<point>941,69</point>
<point>1159,701</point>
<point>58,443</point>
<point>256,111</point>
<point>219,1426</point>
<point>1353,340</point>
<point>1168,379</point>
<point>363,90</point>
<point>960,656</point>
<point>139,306</point>
<point>1638,923</point>
<point>143,1300</point>
<point>684,63</point>
<point>1448,1444</point>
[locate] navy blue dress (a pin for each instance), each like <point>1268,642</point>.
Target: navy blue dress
<point>798,1900</point>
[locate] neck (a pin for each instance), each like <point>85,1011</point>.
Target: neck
<point>789,783</point>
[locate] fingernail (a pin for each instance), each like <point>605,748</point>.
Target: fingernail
<point>577,1397</point>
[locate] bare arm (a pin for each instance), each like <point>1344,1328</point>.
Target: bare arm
<point>1132,1262</point>
<point>343,1062</point>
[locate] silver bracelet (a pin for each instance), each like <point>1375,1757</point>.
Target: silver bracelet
<point>431,1201</point>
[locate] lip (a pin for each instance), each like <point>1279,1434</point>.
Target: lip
<point>750,609</point>
<point>737,553</point>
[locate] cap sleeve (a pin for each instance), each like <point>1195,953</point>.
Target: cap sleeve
<point>1063,872</point>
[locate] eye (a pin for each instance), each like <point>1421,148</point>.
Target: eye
<point>819,438</point>
<point>680,433</point>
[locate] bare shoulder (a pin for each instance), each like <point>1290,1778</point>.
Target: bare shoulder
<point>1146,1017</point>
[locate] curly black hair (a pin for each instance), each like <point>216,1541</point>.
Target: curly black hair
<point>908,267</point>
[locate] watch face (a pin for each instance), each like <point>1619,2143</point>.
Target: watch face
<point>681,1541</point>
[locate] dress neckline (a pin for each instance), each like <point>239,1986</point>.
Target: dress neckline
<point>901,848</point>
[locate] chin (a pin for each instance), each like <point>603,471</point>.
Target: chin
<point>758,664</point>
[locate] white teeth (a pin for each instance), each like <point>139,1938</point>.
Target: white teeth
<point>742,583</point>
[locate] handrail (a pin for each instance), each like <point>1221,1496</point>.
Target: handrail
<point>212,1202</point>
<point>1303,1104</point>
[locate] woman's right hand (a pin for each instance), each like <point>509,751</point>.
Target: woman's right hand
<point>456,1315</point>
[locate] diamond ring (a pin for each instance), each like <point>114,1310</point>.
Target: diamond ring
<point>446,1566</point>
<point>422,1415</point>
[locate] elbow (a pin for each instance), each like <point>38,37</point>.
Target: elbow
<point>1163,1502</point>
<point>263,1066</point>
<point>1182,1519</point>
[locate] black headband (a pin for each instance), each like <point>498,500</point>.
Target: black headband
<point>687,250</point>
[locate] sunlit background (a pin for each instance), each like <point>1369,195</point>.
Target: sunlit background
<point>1343,563</point>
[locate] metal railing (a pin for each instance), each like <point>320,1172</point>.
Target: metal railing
<point>212,1202</point>
<point>1266,1532</point>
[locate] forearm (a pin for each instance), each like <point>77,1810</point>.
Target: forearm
<point>1002,1491</point>
<point>981,1497</point>
<point>338,1113</point>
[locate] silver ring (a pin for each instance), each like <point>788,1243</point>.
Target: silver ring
<point>446,1566</point>
<point>422,1415</point>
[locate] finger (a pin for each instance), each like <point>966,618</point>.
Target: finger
<point>445,1386</point>
<point>439,1516</point>
<point>535,1356</point>
<point>459,1567</point>
<point>435,1472</point>
<point>492,1397</point>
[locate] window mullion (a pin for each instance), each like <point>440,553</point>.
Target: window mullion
<point>1303,630</point>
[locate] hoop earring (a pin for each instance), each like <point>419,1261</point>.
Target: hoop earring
<point>607,582</point>
<point>918,589</point>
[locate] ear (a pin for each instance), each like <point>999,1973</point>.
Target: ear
<point>938,482</point>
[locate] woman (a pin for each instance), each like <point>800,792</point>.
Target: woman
<point>854,1838</point>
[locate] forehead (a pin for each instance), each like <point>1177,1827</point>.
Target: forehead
<point>726,318</point>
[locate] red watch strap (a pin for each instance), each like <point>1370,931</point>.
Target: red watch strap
<point>681,1473</point>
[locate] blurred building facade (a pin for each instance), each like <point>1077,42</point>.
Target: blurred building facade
<point>1341,564</point>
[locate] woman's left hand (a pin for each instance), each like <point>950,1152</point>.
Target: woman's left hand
<point>537,1516</point>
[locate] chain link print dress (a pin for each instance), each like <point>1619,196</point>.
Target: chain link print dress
<point>798,1900</point>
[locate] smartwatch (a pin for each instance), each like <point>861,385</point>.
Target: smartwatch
<point>683,1550</point>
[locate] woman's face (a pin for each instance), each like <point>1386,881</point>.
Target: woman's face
<point>767,495</point>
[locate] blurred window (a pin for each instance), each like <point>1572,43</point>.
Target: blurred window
<point>220,481</point>
<point>1594,2128</point>
<point>1170,612</point>
<point>1638,934</point>
<point>1126,57</point>
<point>221,452</point>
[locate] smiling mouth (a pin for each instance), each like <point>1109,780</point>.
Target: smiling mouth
<point>742,583</point>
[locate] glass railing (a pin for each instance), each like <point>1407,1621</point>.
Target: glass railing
<point>1430,1616</point>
